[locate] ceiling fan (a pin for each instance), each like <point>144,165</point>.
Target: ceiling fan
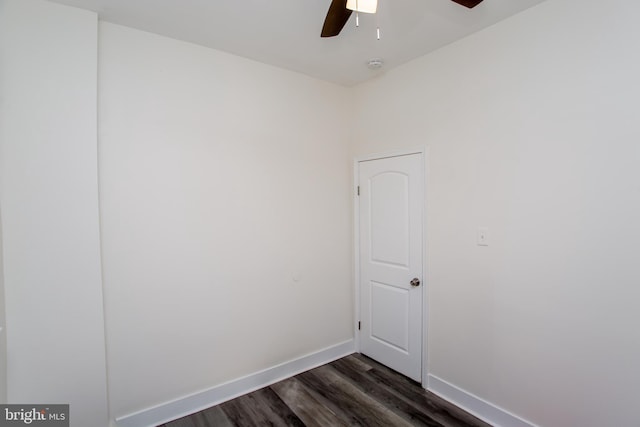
<point>340,11</point>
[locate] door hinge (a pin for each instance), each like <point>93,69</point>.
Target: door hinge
<point>358,190</point>
<point>358,325</point>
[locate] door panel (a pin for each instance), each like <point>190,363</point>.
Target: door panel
<point>389,211</point>
<point>390,202</point>
<point>390,325</point>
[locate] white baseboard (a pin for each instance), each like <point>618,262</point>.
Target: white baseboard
<point>184,406</point>
<point>476,406</point>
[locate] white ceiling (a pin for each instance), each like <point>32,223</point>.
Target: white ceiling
<point>286,33</point>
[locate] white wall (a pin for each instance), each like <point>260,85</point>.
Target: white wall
<point>532,131</point>
<point>220,180</point>
<point>3,341</point>
<point>49,199</point>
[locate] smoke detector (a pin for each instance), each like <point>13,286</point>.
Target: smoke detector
<point>375,64</point>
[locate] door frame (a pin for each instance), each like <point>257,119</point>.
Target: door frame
<point>423,151</point>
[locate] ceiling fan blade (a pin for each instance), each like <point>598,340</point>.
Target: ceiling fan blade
<point>468,3</point>
<point>337,17</point>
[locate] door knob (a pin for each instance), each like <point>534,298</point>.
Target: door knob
<point>415,282</point>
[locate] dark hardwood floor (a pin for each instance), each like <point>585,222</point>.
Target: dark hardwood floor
<point>352,391</point>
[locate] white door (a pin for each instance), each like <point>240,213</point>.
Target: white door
<point>391,202</point>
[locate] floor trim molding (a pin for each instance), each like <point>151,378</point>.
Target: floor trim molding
<point>476,406</point>
<point>181,407</point>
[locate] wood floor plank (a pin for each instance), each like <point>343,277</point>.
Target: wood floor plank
<point>274,405</point>
<point>305,405</point>
<point>358,362</point>
<point>352,391</point>
<point>447,414</point>
<point>262,407</point>
<point>403,407</point>
<point>347,398</point>
<point>241,411</point>
<point>212,417</point>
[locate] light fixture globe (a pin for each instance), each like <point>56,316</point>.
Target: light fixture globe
<point>366,6</point>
